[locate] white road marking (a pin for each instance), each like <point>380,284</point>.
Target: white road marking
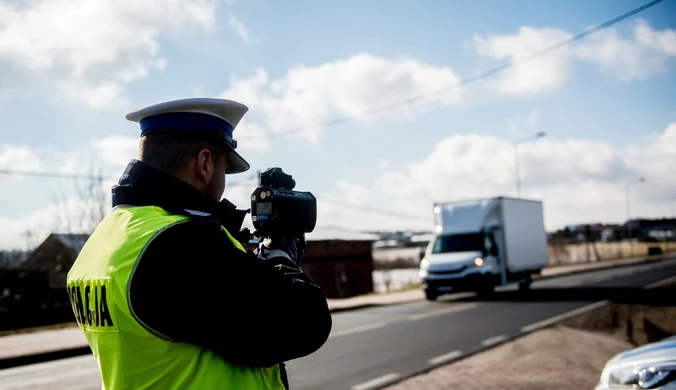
<point>379,381</point>
<point>561,317</point>
<point>600,278</point>
<point>589,280</point>
<point>358,329</point>
<point>452,309</point>
<point>412,317</point>
<point>661,283</point>
<point>444,358</point>
<point>494,340</point>
<point>419,303</point>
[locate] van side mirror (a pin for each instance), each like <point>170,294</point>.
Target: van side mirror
<point>489,245</point>
<point>494,250</point>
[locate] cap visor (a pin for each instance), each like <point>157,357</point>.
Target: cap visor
<point>237,163</point>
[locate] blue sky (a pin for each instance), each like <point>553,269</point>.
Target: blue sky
<point>72,69</point>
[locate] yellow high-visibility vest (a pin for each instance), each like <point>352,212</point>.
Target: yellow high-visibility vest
<point>130,354</point>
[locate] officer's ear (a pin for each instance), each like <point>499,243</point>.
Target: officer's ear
<point>204,167</point>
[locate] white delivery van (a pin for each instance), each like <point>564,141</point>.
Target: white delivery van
<point>481,244</point>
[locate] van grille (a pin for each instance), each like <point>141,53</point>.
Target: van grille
<point>446,272</point>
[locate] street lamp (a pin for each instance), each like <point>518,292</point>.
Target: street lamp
<point>516,159</point>
<point>640,180</point>
<point>673,229</point>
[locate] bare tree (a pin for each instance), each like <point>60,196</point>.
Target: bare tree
<point>93,198</point>
<point>30,239</point>
<point>84,211</point>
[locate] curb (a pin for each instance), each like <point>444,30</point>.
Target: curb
<point>662,257</point>
<point>79,351</point>
<point>359,307</point>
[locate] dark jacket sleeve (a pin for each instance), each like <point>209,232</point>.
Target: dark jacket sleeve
<point>194,286</point>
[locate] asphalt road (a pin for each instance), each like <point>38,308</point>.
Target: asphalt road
<point>373,347</point>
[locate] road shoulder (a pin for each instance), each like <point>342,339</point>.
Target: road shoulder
<point>555,358</point>
<point>568,355</point>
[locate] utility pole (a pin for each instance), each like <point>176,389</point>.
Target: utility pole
<point>516,168</point>
<point>631,243</point>
<point>673,228</point>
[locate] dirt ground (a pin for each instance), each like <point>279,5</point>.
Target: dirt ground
<point>636,324</point>
<point>556,358</point>
<point>568,356</point>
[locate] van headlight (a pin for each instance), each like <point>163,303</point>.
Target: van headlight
<point>423,268</point>
<point>654,376</point>
<point>478,261</point>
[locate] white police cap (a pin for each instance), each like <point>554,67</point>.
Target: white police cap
<point>220,116</point>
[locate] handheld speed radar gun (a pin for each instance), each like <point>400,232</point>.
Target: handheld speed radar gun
<point>277,210</point>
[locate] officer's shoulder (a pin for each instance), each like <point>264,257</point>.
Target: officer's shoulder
<point>198,216</point>
<point>198,223</point>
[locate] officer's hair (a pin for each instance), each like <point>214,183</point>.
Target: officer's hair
<point>170,152</point>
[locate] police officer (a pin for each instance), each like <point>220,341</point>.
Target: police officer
<point>166,296</point>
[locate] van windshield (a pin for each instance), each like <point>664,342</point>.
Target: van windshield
<point>459,243</point>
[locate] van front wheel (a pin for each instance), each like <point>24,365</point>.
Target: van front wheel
<point>431,295</point>
<point>525,285</point>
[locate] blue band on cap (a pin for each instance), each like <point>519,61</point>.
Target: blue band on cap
<point>185,121</point>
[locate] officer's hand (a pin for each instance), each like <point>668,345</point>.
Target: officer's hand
<point>301,245</point>
<point>294,246</point>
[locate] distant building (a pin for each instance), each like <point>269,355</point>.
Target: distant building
<point>337,259</point>
<point>652,229</point>
<point>402,240</point>
<point>340,261</point>
<point>56,256</point>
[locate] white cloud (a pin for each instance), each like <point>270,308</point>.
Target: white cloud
<point>648,52</point>
<point>531,77</point>
<point>656,160</point>
<point>25,159</point>
<point>254,135</point>
<point>20,158</point>
<point>522,126</point>
<point>117,150</point>
<point>578,180</point>
<point>239,28</point>
<point>308,96</point>
<point>71,206</point>
<point>353,193</point>
<point>90,48</point>
<point>70,214</point>
<point>13,231</point>
<point>645,53</point>
<point>383,164</point>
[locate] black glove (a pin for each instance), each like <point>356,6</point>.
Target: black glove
<point>293,245</point>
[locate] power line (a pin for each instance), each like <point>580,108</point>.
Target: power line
<point>374,210</point>
<point>468,80</point>
<point>57,175</point>
<point>11,172</point>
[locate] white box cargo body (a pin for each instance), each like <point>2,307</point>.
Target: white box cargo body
<point>525,235</point>
<point>480,244</point>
